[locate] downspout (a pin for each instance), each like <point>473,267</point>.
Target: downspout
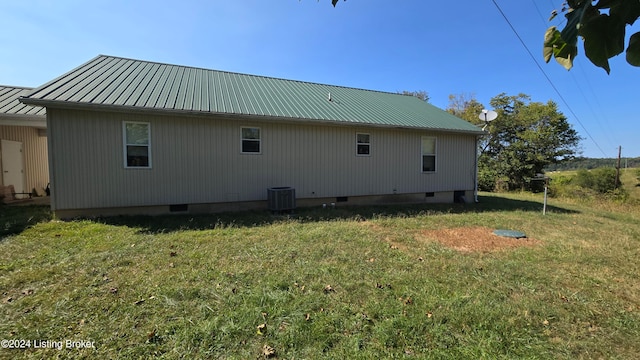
<point>475,190</point>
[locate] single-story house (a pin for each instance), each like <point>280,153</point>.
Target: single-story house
<point>23,143</point>
<point>129,136</point>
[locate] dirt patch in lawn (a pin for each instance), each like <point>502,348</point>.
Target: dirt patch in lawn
<point>474,239</point>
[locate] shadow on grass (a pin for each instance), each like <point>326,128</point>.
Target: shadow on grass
<point>15,219</point>
<point>171,223</point>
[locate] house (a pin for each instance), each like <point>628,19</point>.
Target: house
<point>129,136</point>
<point>23,143</point>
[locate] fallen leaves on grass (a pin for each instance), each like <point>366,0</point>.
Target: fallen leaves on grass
<point>381,286</point>
<point>268,351</point>
<point>328,289</point>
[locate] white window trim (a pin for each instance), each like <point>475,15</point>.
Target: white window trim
<point>435,155</point>
<point>125,144</point>
<point>243,139</point>
<point>369,144</point>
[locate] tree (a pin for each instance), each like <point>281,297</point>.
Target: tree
<point>420,94</point>
<point>524,139</point>
<point>465,106</point>
<point>601,25</point>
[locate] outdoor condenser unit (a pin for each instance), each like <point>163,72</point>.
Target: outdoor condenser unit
<point>281,198</point>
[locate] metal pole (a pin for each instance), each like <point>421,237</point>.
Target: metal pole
<point>475,190</point>
<point>618,168</point>
<point>544,206</point>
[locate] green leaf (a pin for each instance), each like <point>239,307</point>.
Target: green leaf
<point>574,19</point>
<point>551,36</point>
<point>554,45</point>
<point>633,51</point>
<point>603,38</point>
<point>334,2</point>
<point>627,10</point>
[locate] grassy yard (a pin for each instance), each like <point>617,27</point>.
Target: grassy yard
<point>334,283</point>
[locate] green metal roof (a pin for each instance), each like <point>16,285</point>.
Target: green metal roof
<point>127,84</point>
<point>10,106</point>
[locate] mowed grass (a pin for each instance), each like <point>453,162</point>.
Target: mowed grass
<point>335,283</point>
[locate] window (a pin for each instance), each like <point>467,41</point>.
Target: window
<point>428,154</point>
<point>137,144</point>
<point>363,144</point>
<point>250,140</point>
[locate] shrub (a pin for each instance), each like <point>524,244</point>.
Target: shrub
<point>486,180</point>
<point>602,180</point>
<point>586,184</point>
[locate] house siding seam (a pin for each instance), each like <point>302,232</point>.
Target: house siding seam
<point>199,160</point>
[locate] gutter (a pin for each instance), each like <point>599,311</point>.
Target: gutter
<point>178,112</point>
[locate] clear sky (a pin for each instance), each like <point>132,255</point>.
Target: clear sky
<point>442,47</point>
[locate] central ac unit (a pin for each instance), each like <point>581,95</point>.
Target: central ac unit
<point>281,198</point>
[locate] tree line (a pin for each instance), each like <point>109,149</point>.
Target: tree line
<point>593,163</point>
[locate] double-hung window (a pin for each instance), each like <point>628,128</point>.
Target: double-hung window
<point>363,144</point>
<point>428,154</point>
<point>251,140</point>
<point>137,144</point>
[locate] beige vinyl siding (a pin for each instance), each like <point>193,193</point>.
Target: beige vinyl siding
<point>34,147</point>
<point>200,160</point>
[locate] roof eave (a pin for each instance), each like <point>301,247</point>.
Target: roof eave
<point>138,110</point>
<point>28,120</point>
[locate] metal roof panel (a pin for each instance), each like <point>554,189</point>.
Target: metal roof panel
<point>10,105</point>
<point>117,82</point>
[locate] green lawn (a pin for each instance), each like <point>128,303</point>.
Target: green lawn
<point>335,283</point>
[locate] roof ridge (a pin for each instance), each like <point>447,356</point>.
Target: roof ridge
<point>245,74</point>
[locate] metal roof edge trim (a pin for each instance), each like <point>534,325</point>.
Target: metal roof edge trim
<point>37,88</point>
<point>23,116</point>
<point>169,112</point>
<point>16,87</point>
<point>30,122</point>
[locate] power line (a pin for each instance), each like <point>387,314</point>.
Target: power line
<point>547,77</point>
<point>603,129</point>
<point>538,10</point>
<point>597,116</point>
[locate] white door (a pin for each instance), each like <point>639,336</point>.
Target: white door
<point>12,165</point>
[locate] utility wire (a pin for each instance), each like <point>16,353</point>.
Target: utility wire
<point>603,129</point>
<point>598,118</point>
<point>547,77</point>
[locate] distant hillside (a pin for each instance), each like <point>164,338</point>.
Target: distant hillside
<point>592,163</point>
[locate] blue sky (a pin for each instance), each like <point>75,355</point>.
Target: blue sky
<point>373,44</point>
